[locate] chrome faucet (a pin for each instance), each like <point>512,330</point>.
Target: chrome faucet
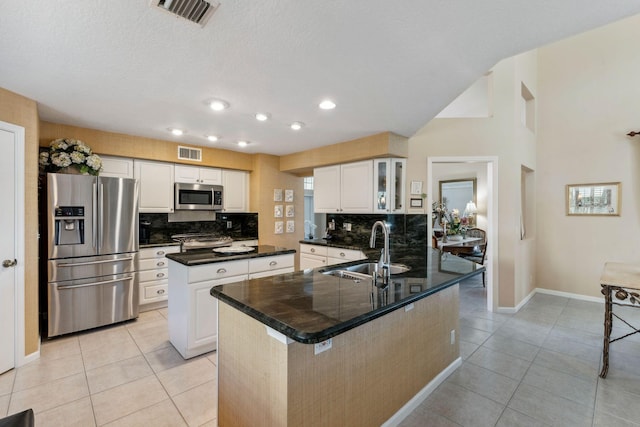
<point>385,261</point>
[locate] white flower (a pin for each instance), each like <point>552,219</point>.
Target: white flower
<point>94,162</point>
<point>44,158</point>
<point>62,160</point>
<point>77,157</point>
<point>59,144</point>
<point>82,148</point>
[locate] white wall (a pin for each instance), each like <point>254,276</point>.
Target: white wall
<point>589,92</point>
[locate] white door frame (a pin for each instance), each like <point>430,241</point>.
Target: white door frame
<point>19,226</point>
<point>492,217</point>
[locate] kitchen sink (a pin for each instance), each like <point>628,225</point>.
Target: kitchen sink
<point>365,270</point>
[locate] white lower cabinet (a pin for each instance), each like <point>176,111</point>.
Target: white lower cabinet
<point>193,312</point>
<point>339,255</point>
<point>315,256</point>
<point>153,276</point>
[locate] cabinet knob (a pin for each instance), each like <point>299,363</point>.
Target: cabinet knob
<point>342,254</point>
<point>221,270</point>
<point>160,253</point>
<point>160,275</point>
<point>272,263</point>
<point>160,291</point>
<point>160,264</point>
<point>312,250</point>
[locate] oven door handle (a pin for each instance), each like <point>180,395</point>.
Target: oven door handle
<point>76,264</point>
<point>104,282</point>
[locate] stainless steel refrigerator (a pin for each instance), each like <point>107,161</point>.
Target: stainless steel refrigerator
<point>92,241</point>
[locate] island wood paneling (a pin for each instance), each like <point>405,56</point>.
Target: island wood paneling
<point>118,144</point>
<point>369,373</point>
<point>385,144</point>
<point>22,111</point>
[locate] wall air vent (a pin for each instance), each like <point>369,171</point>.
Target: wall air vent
<point>188,153</point>
<point>197,11</point>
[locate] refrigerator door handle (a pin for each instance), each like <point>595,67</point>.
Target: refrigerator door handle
<point>94,217</point>
<point>100,215</point>
<point>104,282</point>
<point>75,264</point>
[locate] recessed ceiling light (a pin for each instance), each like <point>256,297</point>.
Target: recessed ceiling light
<point>176,132</point>
<point>297,125</point>
<point>243,143</point>
<point>212,138</point>
<point>263,116</point>
<point>218,105</point>
<point>327,104</point>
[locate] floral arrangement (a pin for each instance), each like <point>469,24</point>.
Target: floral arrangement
<point>65,152</point>
<point>454,223</point>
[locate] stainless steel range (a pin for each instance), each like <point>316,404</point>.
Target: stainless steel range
<point>191,241</point>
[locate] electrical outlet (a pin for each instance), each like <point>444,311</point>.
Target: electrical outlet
<point>408,307</point>
<point>347,226</point>
<point>332,225</point>
<point>229,224</point>
<point>322,346</point>
<point>453,336</point>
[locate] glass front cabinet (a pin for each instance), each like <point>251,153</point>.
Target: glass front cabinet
<point>389,185</point>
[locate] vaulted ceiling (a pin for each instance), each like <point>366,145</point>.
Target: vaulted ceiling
<point>126,66</point>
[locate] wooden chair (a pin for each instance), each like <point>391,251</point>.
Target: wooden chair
<point>480,251</point>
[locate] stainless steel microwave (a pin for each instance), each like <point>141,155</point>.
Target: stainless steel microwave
<point>197,197</point>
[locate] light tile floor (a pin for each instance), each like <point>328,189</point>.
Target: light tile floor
<point>538,367</point>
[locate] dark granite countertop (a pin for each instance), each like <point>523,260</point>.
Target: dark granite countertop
<point>207,256</point>
<point>310,307</point>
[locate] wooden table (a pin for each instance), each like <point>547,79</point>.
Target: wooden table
<point>622,282</point>
<point>456,247</point>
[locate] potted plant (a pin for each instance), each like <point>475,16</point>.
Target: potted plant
<point>66,155</point>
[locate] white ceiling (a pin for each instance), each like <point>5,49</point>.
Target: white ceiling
<point>124,67</point>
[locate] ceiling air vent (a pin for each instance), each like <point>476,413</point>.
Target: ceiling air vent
<point>198,11</point>
<point>188,153</point>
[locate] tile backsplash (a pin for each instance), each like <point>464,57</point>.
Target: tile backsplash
<point>234,225</point>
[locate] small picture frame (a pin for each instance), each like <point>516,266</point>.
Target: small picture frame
<point>277,211</point>
<point>416,203</point>
<point>416,187</point>
<point>277,195</point>
<point>600,199</point>
<point>279,226</point>
<point>290,211</point>
<point>288,196</point>
<point>291,226</point>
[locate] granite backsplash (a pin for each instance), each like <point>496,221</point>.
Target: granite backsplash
<point>234,225</point>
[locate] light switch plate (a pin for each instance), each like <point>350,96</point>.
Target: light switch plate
<point>322,346</point>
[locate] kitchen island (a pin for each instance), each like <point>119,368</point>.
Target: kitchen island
<point>193,313</point>
<point>310,348</point>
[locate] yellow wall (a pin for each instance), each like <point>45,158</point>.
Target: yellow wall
<point>265,178</point>
<point>589,100</point>
<point>23,112</point>
<point>118,144</point>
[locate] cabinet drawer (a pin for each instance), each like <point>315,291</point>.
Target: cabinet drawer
<point>154,291</point>
<point>157,274</point>
<point>153,263</point>
<point>314,249</point>
<point>217,270</point>
<point>344,254</point>
<point>158,252</point>
<point>270,263</point>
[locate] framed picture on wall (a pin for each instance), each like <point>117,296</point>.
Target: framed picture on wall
<point>600,199</point>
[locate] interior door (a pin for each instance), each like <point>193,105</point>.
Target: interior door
<point>7,251</point>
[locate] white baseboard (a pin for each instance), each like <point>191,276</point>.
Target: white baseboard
<point>28,358</point>
<point>514,310</point>
<point>416,400</point>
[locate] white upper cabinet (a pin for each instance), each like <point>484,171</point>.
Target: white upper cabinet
<point>117,167</point>
<point>198,175</point>
<point>344,188</point>
<point>156,185</point>
<point>389,185</point>
<point>235,191</point>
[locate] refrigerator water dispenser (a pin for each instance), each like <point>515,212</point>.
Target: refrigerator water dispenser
<point>69,225</point>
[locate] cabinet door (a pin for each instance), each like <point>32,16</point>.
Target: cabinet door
<point>326,189</point>
<point>187,174</point>
<point>203,314</point>
<point>398,183</point>
<point>211,176</point>
<point>356,187</point>
<point>156,185</point>
<point>236,191</point>
<point>381,186</point>
<point>117,167</point>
